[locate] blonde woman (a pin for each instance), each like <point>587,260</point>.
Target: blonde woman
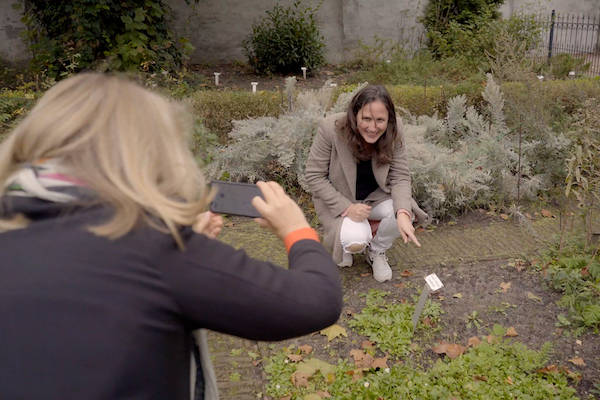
<point>109,261</point>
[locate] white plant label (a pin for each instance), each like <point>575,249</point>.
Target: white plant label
<point>433,282</point>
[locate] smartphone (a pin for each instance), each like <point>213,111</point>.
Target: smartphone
<point>235,198</point>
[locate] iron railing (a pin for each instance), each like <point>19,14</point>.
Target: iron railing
<point>576,35</point>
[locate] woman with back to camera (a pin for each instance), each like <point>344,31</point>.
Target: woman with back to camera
<point>357,172</point>
<point>109,262</point>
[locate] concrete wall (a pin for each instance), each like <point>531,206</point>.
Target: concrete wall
<point>12,47</point>
<point>585,7</point>
<point>217,28</point>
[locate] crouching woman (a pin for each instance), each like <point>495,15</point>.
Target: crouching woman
<point>357,172</point>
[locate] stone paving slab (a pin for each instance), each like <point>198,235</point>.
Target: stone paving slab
<point>447,244</point>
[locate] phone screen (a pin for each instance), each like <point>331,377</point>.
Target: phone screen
<point>235,198</point>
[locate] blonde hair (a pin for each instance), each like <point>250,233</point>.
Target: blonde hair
<point>128,144</point>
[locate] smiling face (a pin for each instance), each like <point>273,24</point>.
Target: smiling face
<point>372,121</point>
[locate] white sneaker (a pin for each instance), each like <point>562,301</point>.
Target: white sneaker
<point>347,260</point>
<point>381,269</point>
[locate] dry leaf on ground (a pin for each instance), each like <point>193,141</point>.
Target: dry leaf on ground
<point>474,341</point>
<point>305,348</point>
<point>504,216</point>
<point>452,350</point>
<point>294,357</point>
<point>333,331</point>
<point>457,295</point>
<point>361,359</point>
<point>406,273</point>
<point>299,379</point>
<point>577,361</point>
<point>367,344</point>
<point>505,286</point>
<point>380,363</point>
<point>511,332</point>
<point>546,213</point>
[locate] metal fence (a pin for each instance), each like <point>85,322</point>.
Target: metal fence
<point>577,35</point>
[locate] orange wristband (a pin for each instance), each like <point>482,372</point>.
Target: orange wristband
<point>299,234</point>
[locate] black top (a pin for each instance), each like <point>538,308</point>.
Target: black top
<point>365,180</point>
<point>85,317</point>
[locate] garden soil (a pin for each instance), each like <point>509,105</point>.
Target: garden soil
<point>485,264</point>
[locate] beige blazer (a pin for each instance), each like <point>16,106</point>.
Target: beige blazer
<point>331,178</point>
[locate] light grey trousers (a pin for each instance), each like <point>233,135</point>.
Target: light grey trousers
<point>353,234</point>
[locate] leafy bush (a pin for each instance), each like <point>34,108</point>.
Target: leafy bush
<point>575,273</point>
<point>218,109</point>
<point>502,370</point>
<point>14,104</point>
<point>451,24</point>
<point>561,64</point>
<point>287,39</point>
<point>70,36</point>
<point>390,325</point>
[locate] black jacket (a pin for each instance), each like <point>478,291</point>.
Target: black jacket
<point>85,317</point>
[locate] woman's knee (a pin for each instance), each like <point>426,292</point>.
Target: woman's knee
<point>355,236</point>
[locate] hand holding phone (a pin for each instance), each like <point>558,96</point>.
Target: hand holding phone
<point>279,212</point>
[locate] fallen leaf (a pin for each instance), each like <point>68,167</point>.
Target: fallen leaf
<point>299,379</point>
<point>256,362</point>
<point>361,359</point>
<point>511,332</point>
<point>577,361</point>
<point>380,363</point>
<point>474,341</point>
<point>491,339</point>
<point>356,374</point>
<point>509,380</point>
<point>305,348</point>
<point>578,342</point>
<point>546,213</point>
<point>294,357</point>
<point>505,286</point>
<point>312,365</point>
<point>349,312</point>
<point>365,274</point>
<point>452,350</point>
<point>333,331</point>
<point>504,216</point>
<point>457,295</point>
<point>549,369</point>
<point>406,273</point>
<point>585,272</point>
<point>367,344</point>
<point>400,285</point>
<point>532,296</point>
<point>480,378</point>
<point>427,322</point>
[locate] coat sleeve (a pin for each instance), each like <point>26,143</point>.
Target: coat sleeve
<point>317,170</point>
<point>225,290</point>
<point>399,174</point>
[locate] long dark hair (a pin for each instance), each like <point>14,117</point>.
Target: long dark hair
<point>383,149</point>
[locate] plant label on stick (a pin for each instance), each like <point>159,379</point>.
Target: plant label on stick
<point>432,284</point>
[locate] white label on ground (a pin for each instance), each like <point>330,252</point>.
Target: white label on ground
<point>434,282</point>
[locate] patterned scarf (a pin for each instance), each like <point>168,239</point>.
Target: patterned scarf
<point>44,180</point>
